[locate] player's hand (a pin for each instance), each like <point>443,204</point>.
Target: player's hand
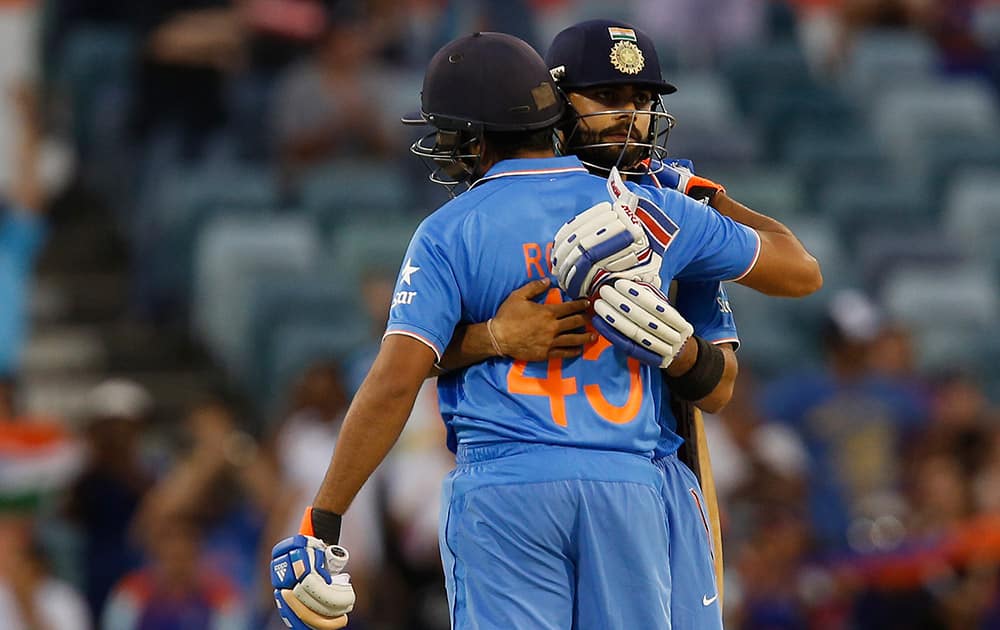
<point>607,238</point>
<point>639,320</point>
<point>529,331</point>
<point>679,175</point>
<point>310,588</point>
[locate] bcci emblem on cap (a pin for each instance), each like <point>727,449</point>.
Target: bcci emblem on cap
<point>626,56</point>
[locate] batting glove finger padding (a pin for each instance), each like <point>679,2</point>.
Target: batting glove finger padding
<point>306,574</point>
<point>645,325</point>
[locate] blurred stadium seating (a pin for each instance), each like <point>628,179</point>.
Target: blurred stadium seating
<point>879,146</point>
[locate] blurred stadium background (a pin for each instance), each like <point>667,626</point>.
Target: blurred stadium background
<point>227,194</point>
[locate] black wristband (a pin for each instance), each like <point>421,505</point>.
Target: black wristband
<point>326,525</point>
<point>704,375</point>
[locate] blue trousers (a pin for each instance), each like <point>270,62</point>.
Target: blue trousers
<point>694,599</point>
<point>555,538</point>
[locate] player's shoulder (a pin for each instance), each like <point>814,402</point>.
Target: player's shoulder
<point>449,218</point>
<point>679,207</point>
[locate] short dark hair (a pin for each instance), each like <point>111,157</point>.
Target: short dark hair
<point>501,145</point>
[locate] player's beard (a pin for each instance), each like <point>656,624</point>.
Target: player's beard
<point>624,155</point>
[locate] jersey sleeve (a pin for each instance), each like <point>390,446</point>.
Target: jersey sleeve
<point>427,303</point>
<point>706,306</point>
<point>726,250</point>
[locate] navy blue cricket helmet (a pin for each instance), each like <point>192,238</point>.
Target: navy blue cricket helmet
<point>484,82</point>
<point>599,53</point>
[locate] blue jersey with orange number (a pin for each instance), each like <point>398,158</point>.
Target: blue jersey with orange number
<point>467,257</point>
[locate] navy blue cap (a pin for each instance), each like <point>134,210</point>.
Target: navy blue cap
<point>492,82</point>
<point>605,52</point>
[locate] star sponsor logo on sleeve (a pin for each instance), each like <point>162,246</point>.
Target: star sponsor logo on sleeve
<point>405,277</point>
<point>408,270</point>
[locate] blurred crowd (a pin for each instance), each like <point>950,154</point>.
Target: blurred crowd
<point>248,156</point>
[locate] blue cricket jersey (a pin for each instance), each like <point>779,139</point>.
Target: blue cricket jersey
<point>705,305</point>
<point>467,257</point>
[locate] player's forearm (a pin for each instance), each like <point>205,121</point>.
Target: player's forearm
<point>374,421</point>
<point>723,392</point>
<point>785,268</point>
<point>470,345</point>
<point>729,207</point>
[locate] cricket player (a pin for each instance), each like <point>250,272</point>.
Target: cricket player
<point>553,517</point>
<point>606,127</point>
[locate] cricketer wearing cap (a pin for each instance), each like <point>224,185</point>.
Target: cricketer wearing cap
<point>553,517</point>
<point>610,73</point>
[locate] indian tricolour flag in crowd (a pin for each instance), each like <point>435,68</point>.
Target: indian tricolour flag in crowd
<point>36,459</point>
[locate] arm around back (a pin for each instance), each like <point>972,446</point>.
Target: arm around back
<point>784,268</point>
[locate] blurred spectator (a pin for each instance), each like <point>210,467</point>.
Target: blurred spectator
<point>21,237</point>
<point>768,571</point>
<point>30,598</point>
<point>986,482</point>
<point>939,496</point>
<point>189,46</point>
<point>854,423</point>
<point>303,444</point>
<point>283,30</point>
<point>324,107</point>
<point>105,497</point>
<point>177,588</point>
<point>224,486</point>
<point>756,463</point>
<point>412,475</point>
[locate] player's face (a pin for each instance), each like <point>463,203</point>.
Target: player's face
<point>611,116</point>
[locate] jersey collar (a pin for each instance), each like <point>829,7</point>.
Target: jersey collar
<point>532,166</point>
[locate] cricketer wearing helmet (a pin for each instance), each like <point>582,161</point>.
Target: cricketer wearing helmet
<point>553,517</point>
<point>610,73</point>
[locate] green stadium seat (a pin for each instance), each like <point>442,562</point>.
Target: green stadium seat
<point>775,69</point>
<point>366,245</point>
<point>230,255</point>
<point>950,309</point>
<point>906,115</point>
<point>972,211</point>
<point>858,206</point>
<point>347,190</point>
<point>280,301</point>
<point>880,57</point>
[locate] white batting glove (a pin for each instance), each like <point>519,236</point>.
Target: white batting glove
<point>310,588</point>
<point>607,238</point>
<point>639,320</point>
